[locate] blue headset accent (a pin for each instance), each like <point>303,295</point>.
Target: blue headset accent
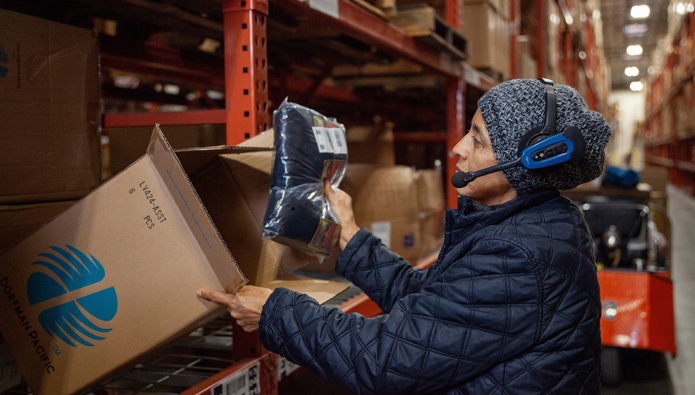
<point>554,150</point>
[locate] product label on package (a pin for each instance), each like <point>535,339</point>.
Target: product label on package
<point>330,140</point>
<point>326,236</point>
<point>246,382</point>
<point>156,215</point>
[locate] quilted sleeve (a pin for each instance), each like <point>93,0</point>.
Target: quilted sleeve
<point>450,332</point>
<point>379,272</point>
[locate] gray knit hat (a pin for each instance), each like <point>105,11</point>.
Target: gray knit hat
<point>514,107</point>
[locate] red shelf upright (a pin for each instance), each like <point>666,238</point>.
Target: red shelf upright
<point>246,69</point>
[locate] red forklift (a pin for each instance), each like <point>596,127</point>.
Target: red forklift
<point>631,239</point>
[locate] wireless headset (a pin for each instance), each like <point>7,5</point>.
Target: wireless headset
<point>540,147</point>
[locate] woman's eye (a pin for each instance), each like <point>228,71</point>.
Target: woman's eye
<point>476,141</point>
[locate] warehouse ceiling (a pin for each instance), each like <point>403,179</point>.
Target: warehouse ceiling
<point>185,24</point>
<point>621,30</point>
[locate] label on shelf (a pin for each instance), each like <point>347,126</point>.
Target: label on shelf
<point>328,7</point>
<point>285,367</point>
<point>245,382</point>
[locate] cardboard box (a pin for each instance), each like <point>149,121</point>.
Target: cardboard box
<point>150,243</point>
<point>19,220</point>
<point>10,376</point>
<point>429,187</point>
<point>49,106</point>
<point>488,33</point>
<point>127,144</point>
<point>371,144</point>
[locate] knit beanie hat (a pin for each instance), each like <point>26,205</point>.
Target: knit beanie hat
<point>514,107</point>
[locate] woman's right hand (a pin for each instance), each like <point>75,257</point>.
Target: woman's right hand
<point>341,203</point>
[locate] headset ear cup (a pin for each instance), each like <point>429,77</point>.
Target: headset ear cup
<point>531,137</point>
<point>577,139</point>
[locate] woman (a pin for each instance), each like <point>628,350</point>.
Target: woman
<point>512,304</point>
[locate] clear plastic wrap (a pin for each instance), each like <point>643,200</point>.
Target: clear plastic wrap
<point>309,148</point>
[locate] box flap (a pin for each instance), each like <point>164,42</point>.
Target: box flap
<point>195,213</point>
<point>321,290</point>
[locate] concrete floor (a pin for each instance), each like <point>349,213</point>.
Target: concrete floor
<point>681,209</point>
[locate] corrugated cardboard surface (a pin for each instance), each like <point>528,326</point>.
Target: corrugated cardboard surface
<point>49,110</point>
<point>156,246</point>
<point>490,28</point>
<point>20,220</point>
<point>10,375</point>
<point>127,144</point>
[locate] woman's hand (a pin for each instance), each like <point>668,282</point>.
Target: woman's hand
<point>341,203</point>
<point>245,307</point>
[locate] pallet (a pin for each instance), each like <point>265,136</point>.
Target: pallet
<point>426,26</point>
<point>385,9</point>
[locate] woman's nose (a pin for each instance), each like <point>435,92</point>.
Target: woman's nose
<point>460,149</point>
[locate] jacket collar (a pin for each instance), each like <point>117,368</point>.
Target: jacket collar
<point>470,215</point>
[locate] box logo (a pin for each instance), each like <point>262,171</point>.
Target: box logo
<point>4,60</point>
<point>72,321</point>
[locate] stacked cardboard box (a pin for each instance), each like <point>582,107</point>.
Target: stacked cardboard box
<point>114,277</point>
<point>430,196</point>
<point>371,144</point>
<point>486,26</point>
<point>49,106</point>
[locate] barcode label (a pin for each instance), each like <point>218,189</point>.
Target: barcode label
<point>246,382</point>
<point>330,140</point>
<point>382,230</point>
<point>338,138</point>
<point>285,367</point>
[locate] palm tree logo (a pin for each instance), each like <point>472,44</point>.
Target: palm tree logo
<point>72,321</point>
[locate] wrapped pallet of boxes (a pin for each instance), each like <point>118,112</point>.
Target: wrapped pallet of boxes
<point>114,276</point>
<point>488,30</point>
<point>384,200</point>
<point>430,196</point>
<point>49,107</point>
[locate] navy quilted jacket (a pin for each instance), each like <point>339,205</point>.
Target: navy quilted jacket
<point>512,306</point>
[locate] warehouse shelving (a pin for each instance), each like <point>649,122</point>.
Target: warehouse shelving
<point>579,62</point>
<point>669,128</point>
<point>245,114</point>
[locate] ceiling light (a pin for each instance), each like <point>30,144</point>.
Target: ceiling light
<point>596,14</point>
<point>172,89</point>
<point>680,9</point>
<point>634,50</point>
<point>635,29</point>
<point>639,11</point>
<point>631,71</point>
<point>636,86</point>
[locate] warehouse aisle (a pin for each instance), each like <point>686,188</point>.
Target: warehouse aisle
<point>682,213</point>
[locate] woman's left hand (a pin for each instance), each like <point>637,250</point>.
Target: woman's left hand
<point>245,307</point>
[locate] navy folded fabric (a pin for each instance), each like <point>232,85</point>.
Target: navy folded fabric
<point>309,148</point>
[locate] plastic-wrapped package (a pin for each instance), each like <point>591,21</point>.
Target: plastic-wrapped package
<point>309,148</point>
